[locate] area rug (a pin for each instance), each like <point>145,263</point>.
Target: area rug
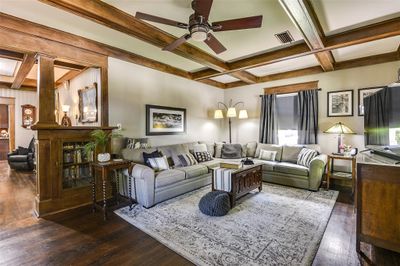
<point>278,226</point>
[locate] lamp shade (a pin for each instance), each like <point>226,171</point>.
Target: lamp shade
<point>65,108</point>
<point>339,128</point>
<point>231,112</point>
<point>243,114</point>
<point>218,114</point>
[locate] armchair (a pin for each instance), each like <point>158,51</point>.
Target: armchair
<point>22,158</point>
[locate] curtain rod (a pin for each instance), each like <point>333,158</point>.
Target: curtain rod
<point>319,89</point>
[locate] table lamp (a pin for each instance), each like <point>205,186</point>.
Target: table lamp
<point>340,129</point>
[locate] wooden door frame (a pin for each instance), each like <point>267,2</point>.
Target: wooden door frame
<point>10,102</point>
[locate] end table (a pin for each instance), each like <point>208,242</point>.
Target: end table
<point>341,175</point>
<point>105,169</point>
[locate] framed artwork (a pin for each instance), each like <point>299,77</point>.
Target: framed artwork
<point>340,103</point>
<point>88,104</point>
<point>162,120</point>
<point>28,115</point>
<point>362,93</point>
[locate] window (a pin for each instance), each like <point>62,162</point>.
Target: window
<point>287,113</point>
<point>394,136</point>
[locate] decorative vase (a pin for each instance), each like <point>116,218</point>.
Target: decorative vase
<point>103,157</point>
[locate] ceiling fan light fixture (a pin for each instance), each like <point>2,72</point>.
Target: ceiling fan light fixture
<point>199,34</point>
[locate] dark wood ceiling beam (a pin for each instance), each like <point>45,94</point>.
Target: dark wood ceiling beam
<point>235,84</point>
<point>68,76</point>
<point>292,74</point>
<point>7,85</point>
<point>245,76</point>
<point>291,88</point>
<point>23,71</point>
<point>369,60</point>
<point>11,55</point>
<point>109,16</point>
<point>213,83</point>
<point>303,16</point>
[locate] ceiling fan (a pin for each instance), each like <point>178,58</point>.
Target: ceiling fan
<point>200,29</point>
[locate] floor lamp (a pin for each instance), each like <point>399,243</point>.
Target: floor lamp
<point>230,113</point>
<point>339,129</point>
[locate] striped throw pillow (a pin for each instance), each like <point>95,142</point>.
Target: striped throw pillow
<point>159,163</point>
<point>187,159</point>
<point>305,157</point>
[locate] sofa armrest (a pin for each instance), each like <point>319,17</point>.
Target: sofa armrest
<point>144,179</point>
<point>317,170</point>
<point>13,153</point>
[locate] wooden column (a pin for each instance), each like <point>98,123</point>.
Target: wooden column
<point>45,88</point>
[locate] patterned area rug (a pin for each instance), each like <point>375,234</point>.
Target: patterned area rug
<point>278,226</point>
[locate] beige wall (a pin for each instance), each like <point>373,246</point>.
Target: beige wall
<point>22,135</point>
<point>370,76</point>
<point>131,87</point>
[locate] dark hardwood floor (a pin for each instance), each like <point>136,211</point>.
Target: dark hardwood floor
<point>82,238</point>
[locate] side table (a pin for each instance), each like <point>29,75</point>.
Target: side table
<point>341,175</point>
<point>105,169</point>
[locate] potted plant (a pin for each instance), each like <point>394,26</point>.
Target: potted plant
<point>99,142</point>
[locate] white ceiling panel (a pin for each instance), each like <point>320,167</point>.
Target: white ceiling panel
<point>225,79</point>
<point>8,67</point>
<point>366,49</point>
<point>38,12</point>
<point>238,43</point>
<point>284,66</point>
<point>338,15</point>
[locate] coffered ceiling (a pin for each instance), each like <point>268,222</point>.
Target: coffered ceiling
<point>328,34</point>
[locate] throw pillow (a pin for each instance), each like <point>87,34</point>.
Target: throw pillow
<point>147,156</point>
<point>159,163</point>
<point>22,151</point>
<point>291,153</point>
<point>203,156</point>
<point>267,155</point>
<point>306,156</point>
<point>231,151</point>
<point>210,147</point>
<point>218,149</point>
<point>187,159</point>
<point>201,147</point>
<point>251,149</point>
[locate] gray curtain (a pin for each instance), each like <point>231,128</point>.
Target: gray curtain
<point>308,117</point>
<point>377,112</point>
<point>268,120</point>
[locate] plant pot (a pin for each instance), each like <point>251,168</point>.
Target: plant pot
<point>103,157</point>
<point>117,144</point>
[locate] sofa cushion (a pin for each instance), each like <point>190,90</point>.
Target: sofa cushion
<point>200,147</point>
<point>290,153</point>
<point>194,170</point>
<point>251,149</point>
<point>172,152</point>
<point>231,151</point>
<point>291,168</point>
<point>269,147</point>
<point>266,165</point>
<point>168,177</point>
<point>18,158</point>
<point>136,156</point>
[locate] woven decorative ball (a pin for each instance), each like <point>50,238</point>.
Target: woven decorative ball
<point>215,203</point>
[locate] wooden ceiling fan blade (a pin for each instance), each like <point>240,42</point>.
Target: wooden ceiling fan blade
<point>238,24</point>
<point>172,46</point>
<point>166,21</point>
<point>214,44</point>
<point>202,7</point>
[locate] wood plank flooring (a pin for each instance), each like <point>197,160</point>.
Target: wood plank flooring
<point>82,238</point>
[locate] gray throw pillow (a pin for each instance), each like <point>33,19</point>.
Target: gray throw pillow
<point>231,151</point>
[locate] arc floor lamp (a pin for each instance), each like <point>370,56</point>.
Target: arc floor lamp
<point>230,110</point>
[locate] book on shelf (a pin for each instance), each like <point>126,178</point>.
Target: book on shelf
<point>231,165</point>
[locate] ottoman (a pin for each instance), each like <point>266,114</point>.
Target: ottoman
<point>215,203</point>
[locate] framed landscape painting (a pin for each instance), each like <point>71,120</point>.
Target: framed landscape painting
<point>362,93</point>
<point>163,120</point>
<point>340,103</point>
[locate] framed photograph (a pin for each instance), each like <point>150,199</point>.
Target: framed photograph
<point>362,93</point>
<point>88,104</point>
<point>162,120</point>
<point>340,103</point>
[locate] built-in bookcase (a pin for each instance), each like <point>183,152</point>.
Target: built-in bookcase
<point>76,165</point>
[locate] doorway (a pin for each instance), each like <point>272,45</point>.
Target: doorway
<point>7,126</point>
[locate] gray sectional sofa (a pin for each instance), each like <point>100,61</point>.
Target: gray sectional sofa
<point>154,187</point>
